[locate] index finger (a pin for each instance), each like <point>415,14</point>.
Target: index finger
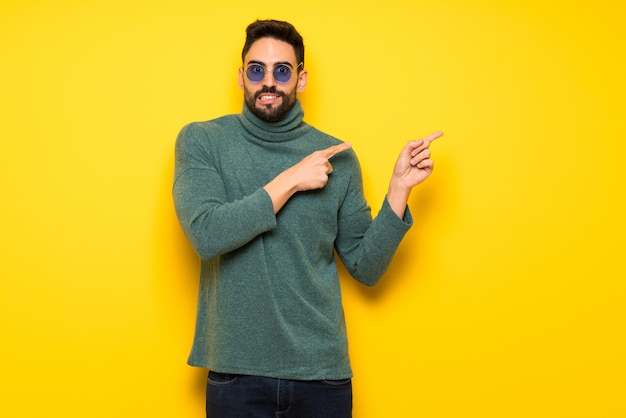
<point>421,144</point>
<point>430,138</point>
<point>335,149</point>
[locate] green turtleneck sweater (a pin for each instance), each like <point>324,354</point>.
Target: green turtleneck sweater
<point>270,301</point>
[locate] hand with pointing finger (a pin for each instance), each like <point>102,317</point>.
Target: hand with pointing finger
<point>414,164</point>
<point>313,170</point>
<point>310,173</point>
<point>412,167</point>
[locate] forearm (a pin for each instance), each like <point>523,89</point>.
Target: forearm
<point>367,247</point>
<point>280,189</point>
<point>213,224</point>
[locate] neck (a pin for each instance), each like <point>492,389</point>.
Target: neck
<point>285,129</point>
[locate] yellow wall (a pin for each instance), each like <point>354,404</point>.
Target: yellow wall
<point>505,300</point>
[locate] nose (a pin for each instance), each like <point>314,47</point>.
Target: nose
<point>268,79</point>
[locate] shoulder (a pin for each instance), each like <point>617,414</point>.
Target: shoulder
<point>322,140</point>
<point>322,136</point>
<point>202,134</point>
<point>209,127</point>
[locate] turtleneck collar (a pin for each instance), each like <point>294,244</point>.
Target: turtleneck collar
<point>289,127</point>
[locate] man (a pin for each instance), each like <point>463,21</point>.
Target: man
<point>266,200</point>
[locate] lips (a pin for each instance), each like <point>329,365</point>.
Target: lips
<point>268,96</point>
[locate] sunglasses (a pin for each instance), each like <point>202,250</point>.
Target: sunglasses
<point>281,72</point>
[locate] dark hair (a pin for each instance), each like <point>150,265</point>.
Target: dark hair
<point>282,31</point>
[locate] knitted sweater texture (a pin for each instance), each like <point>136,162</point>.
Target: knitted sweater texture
<point>269,301</point>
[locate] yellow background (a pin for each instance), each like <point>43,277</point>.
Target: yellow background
<point>506,299</point>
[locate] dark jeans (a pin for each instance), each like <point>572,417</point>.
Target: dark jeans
<point>239,396</point>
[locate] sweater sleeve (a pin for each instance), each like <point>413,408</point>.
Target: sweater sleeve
<point>213,224</point>
<point>365,246</point>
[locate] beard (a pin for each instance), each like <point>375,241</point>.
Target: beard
<point>270,113</point>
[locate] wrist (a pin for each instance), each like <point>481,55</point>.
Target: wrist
<point>397,197</point>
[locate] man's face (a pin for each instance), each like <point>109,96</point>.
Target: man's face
<point>269,98</point>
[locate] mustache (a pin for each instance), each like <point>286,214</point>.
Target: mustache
<point>272,90</point>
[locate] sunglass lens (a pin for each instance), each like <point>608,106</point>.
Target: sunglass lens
<point>282,73</point>
<point>255,73</point>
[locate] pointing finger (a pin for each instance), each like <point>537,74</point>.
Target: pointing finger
<point>430,138</point>
<point>335,149</point>
<point>422,144</point>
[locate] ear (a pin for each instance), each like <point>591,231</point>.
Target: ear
<point>240,78</point>
<point>302,80</point>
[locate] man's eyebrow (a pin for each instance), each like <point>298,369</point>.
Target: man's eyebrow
<point>262,64</point>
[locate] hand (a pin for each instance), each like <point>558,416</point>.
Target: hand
<point>310,173</point>
<point>412,167</point>
<point>414,164</point>
<point>313,170</point>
